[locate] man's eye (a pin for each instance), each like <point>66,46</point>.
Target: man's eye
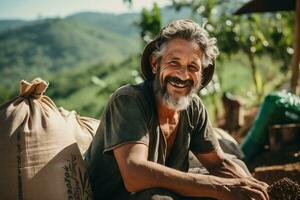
<point>174,63</point>
<point>193,68</point>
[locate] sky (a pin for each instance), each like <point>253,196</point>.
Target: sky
<point>32,9</point>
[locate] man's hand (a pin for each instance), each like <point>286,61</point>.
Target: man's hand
<point>243,189</point>
<point>238,182</point>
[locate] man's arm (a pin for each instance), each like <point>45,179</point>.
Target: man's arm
<point>217,163</point>
<point>138,174</point>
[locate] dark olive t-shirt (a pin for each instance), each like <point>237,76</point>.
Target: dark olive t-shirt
<point>130,117</point>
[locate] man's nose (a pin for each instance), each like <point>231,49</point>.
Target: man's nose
<point>183,73</point>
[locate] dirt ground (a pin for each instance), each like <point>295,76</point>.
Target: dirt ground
<point>270,166</point>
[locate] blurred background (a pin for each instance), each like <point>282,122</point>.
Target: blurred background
<point>87,49</point>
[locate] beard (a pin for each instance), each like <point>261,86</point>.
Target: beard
<point>171,101</point>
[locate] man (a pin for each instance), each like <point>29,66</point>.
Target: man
<point>141,148</point>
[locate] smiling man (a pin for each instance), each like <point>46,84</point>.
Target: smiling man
<point>141,148</point>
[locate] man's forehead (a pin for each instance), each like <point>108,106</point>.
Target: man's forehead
<point>178,44</point>
<point>181,47</point>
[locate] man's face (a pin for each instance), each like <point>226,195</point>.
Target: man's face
<point>178,73</point>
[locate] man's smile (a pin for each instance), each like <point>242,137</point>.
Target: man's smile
<point>178,83</point>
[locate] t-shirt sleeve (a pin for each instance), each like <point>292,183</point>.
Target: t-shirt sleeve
<point>124,121</point>
<point>203,139</point>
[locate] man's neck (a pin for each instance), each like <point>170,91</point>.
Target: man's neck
<point>166,114</point>
<point>168,122</point>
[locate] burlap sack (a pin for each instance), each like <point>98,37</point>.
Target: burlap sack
<point>85,128</point>
<point>39,156</point>
<point>228,144</point>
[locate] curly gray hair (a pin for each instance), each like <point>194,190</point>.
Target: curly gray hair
<point>191,31</point>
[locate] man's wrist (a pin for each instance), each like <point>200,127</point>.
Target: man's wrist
<point>219,186</point>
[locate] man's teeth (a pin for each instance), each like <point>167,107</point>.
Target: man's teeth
<point>180,85</point>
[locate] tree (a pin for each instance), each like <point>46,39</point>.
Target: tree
<point>150,23</point>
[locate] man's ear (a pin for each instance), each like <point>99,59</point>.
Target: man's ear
<point>153,62</point>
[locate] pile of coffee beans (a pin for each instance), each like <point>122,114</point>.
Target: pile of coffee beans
<point>284,189</point>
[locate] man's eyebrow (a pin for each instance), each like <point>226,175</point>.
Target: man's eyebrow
<point>174,57</point>
<point>177,58</point>
<point>195,63</point>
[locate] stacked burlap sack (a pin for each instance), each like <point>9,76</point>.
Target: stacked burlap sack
<point>41,148</point>
<point>84,128</point>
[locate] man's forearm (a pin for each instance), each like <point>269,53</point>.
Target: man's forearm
<point>138,174</point>
<point>231,168</point>
<point>148,174</point>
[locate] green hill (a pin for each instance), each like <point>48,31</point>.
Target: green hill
<point>11,24</point>
<point>87,90</point>
<point>54,44</point>
<point>123,24</point>
<point>66,51</point>
<point>31,48</point>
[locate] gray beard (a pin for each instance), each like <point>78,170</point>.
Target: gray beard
<point>170,101</point>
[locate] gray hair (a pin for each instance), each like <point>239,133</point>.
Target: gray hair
<point>191,31</point>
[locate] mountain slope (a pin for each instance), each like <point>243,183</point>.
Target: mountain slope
<point>55,47</point>
<point>123,24</point>
<point>11,24</point>
<point>55,44</point>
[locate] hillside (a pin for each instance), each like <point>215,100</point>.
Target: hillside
<point>44,47</point>
<point>70,52</point>
<point>64,41</point>
<point>54,44</point>
<point>11,24</point>
<point>123,24</point>
<point>87,90</point>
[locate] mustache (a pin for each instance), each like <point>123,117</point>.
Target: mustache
<point>177,80</point>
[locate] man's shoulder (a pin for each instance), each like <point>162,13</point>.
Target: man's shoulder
<point>137,90</point>
<point>195,110</point>
<point>196,104</point>
<point>131,98</point>
<point>141,94</point>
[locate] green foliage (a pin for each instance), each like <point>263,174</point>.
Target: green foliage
<point>5,94</point>
<point>150,23</point>
<point>88,91</point>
